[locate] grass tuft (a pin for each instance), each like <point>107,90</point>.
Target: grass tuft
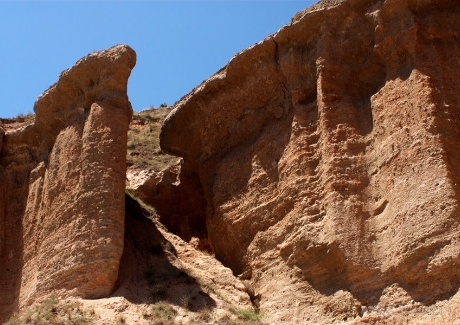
<point>186,301</point>
<point>248,314</point>
<point>144,205</point>
<point>163,313</point>
<point>52,311</point>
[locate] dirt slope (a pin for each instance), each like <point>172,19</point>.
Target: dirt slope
<point>162,280</point>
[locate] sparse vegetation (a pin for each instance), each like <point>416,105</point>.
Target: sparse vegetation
<point>144,205</point>
<point>203,316</point>
<point>55,312</point>
<point>215,289</point>
<point>158,290</point>
<point>163,313</point>
<point>156,286</point>
<point>16,122</point>
<point>51,311</point>
<point>144,140</point>
<point>25,117</point>
<point>228,320</point>
<point>185,301</point>
<point>248,314</point>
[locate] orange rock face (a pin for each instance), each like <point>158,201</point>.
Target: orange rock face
<point>63,181</point>
<point>329,158</point>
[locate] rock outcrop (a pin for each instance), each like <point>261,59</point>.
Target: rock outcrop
<point>163,181</point>
<point>328,155</point>
<point>177,196</point>
<point>63,186</point>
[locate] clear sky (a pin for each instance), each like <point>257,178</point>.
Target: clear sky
<point>178,43</point>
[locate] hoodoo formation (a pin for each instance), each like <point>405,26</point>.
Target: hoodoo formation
<point>63,186</point>
<point>319,178</point>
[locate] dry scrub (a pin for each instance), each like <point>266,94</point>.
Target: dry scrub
<point>143,140</point>
<point>52,311</point>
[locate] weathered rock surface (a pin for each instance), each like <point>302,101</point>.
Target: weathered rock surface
<point>163,181</point>
<point>329,158</point>
<point>162,280</point>
<point>177,196</point>
<point>63,183</point>
<point>175,266</point>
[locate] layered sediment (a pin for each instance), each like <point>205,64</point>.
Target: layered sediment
<point>63,186</point>
<point>328,158</point>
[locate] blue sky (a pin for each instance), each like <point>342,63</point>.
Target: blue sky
<point>178,43</point>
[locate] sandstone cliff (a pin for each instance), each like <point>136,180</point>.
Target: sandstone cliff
<point>68,231</point>
<point>320,165</point>
<point>63,185</point>
<point>328,155</point>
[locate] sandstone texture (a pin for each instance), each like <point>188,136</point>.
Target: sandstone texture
<point>178,198</point>
<point>163,181</point>
<point>62,188</point>
<point>162,280</point>
<point>328,156</point>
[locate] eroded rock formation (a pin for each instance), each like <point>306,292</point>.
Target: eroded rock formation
<point>163,181</point>
<point>329,158</point>
<point>63,185</point>
<point>177,196</point>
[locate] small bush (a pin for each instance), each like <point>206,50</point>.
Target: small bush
<point>51,311</point>
<point>158,290</point>
<point>203,315</point>
<point>248,314</point>
<point>163,311</point>
<point>186,301</point>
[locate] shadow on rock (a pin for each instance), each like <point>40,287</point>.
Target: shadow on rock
<point>150,270</point>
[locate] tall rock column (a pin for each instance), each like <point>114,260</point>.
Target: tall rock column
<point>68,171</point>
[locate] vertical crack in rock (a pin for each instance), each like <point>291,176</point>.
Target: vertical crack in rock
<point>63,181</point>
